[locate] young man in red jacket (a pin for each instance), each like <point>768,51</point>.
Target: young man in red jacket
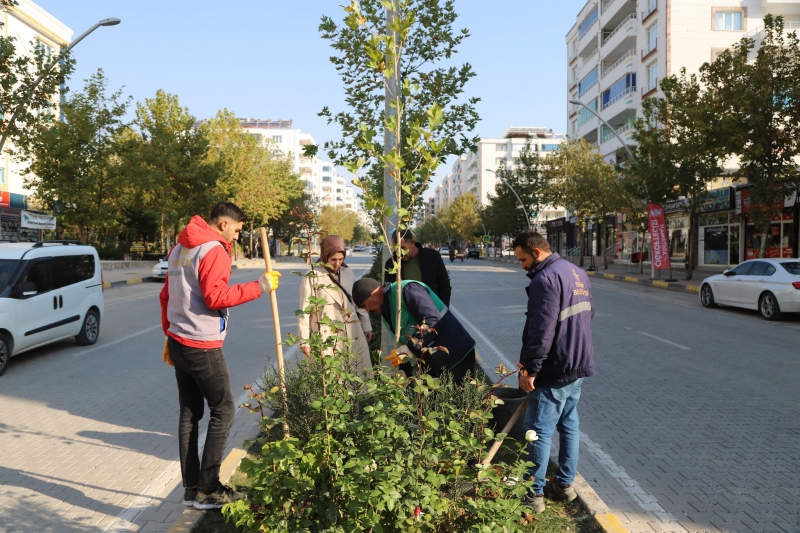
<point>194,314</point>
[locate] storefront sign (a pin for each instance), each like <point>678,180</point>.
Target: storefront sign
<point>658,231</point>
<point>717,200</point>
<point>674,206</point>
<point>743,201</point>
<point>557,223</point>
<point>37,221</point>
<point>5,199</point>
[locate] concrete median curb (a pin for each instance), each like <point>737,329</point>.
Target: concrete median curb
<point>680,287</point>
<point>126,282</point>
<point>190,516</point>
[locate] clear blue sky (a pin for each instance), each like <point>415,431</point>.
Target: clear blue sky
<point>265,58</point>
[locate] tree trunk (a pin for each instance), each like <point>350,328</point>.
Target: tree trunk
<point>691,250</point>
<point>581,232</point>
<point>604,244</point>
<point>764,237</point>
<point>641,251</point>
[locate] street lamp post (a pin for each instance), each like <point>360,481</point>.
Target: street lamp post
<point>445,228</point>
<point>521,205</point>
<point>104,22</point>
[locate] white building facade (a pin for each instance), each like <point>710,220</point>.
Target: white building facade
<point>320,176</point>
<point>31,27</point>
<point>617,53</point>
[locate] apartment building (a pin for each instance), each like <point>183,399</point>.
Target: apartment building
<point>320,176</point>
<point>32,27</point>
<point>617,52</point>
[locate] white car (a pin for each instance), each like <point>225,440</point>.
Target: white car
<point>444,251</point>
<point>49,291</point>
<point>160,269</point>
<point>770,286</point>
<point>348,250</point>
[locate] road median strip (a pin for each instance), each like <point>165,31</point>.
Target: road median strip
<point>669,286</point>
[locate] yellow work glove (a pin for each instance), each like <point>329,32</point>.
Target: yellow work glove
<point>269,281</point>
<point>165,354</point>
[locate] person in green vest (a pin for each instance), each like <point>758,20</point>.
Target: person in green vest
<point>420,304</point>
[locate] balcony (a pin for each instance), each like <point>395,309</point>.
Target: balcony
<point>586,89</point>
<point>620,105</point>
<point>650,6</point>
<point>650,88</point>
<point>622,37</point>
<point>622,65</point>
<point>625,132</point>
<point>651,47</point>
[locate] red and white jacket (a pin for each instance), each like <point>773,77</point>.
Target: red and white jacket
<point>196,296</point>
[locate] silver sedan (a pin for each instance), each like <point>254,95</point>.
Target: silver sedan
<point>770,286</point>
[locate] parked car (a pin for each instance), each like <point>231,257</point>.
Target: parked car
<point>373,250</point>
<point>770,286</point>
<point>444,250</point>
<point>48,291</point>
<point>473,253</point>
<point>160,269</point>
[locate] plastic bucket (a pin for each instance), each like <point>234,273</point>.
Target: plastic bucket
<point>512,398</point>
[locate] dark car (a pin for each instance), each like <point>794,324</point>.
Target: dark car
<point>473,253</point>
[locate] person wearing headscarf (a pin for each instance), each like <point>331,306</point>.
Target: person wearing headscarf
<point>335,284</point>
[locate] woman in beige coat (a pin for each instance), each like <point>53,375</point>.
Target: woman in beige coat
<point>337,289</point>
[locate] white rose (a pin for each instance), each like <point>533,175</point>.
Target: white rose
<point>531,435</point>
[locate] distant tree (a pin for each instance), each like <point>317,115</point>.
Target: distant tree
<point>360,234</point>
<point>583,182</point>
<point>528,180</point>
<point>168,163</point>
<point>678,154</point>
<point>755,105</point>
<point>72,164</point>
<point>337,221</point>
<point>463,218</point>
<point>425,76</point>
<point>20,65</point>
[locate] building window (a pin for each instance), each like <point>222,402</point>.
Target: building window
<point>587,23</point>
<point>326,169</point>
<point>47,51</point>
<point>326,178</point>
<point>499,161</point>
<point>652,38</point>
<point>589,81</point>
<point>652,77</point>
<point>339,191</point>
<point>621,87</point>
<point>549,147</point>
<point>2,176</point>
<point>649,7</point>
<point>500,147</point>
<point>728,21</point>
<point>277,139</point>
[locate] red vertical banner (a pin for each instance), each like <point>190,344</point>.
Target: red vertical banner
<point>658,236</point>
<point>5,199</point>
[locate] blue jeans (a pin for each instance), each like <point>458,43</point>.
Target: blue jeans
<point>550,408</point>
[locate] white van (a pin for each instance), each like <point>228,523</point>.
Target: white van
<point>48,291</point>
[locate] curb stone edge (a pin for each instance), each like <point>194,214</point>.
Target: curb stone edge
<point>190,516</point>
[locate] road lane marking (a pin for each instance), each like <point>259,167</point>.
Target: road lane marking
<point>636,493</point>
<point>646,501</point>
<point>483,337</point>
<point>125,521</point>
<point>152,296</point>
<point>675,344</point>
<point>112,343</point>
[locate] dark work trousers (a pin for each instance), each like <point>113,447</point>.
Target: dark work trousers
<point>202,376</point>
<point>458,372</point>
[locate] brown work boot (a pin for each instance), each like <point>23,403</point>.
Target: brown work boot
<point>554,491</point>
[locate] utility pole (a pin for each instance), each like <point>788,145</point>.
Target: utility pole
<point>389,184</point>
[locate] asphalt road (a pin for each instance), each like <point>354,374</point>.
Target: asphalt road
<point>690,425</point>
<point>88,435</point>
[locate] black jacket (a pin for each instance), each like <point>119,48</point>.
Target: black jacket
<point>434,273</point>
